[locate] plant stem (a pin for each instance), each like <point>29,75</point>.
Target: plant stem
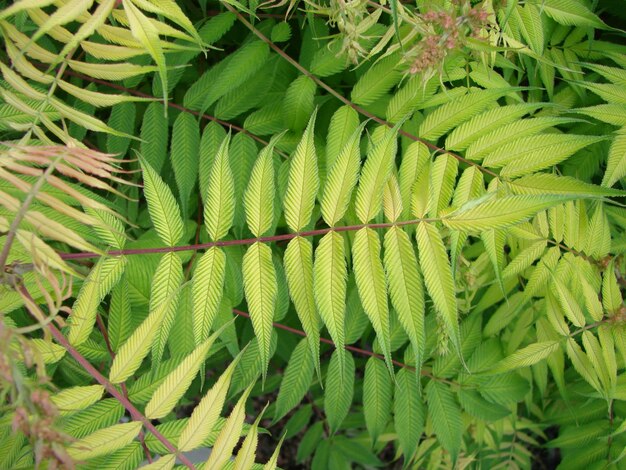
<point>243,241</point>
<point>135,414</point>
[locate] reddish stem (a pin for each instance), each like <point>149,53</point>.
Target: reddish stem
<point>135,414</point>
<point>244,241</point>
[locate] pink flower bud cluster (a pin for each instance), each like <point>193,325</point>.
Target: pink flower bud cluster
<point>446,30</point>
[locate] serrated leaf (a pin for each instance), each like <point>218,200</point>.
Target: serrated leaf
<point>296,381</point>
<point>611,294</point>
<point>372,285</point>
<point>438,277</point>
<point>446,417</point>
<point>208,283</point>
<point>568,303</point>
<point>376,171</point>
<point>104,441</point>
<point>101,279</point>
<point>303,181</point>
<point>525,357</point>
<point>329,284</point>
<point>247,452</point>
<point>616,164</point>
<point>165,462</point>
<point>488,121</point>
<point>177,382</point>
<point>259,195</point>
<point>260,285</point>
<point>75,399</point>
<point>342,175</point>
<point>378,79</point>
<point>298,261</point>
<point>206,414</point>
<point>229,435</point>
<point>377,393</point>
<point>392,200</point>
<point>406,287</point>
<point>582,364</point>
<point>409,412</point>
<point>165,284</point>
<point>219,203</point>
<point>147,34</point>
<point>162,206</point>
<point>451,114</point>
<point>298,103</point>
<point>548,183</point>
<point>443,172</point>
<point>184,157</point>
<point>489,212</point>
<point>339,389</point>
<point>570,13</point>
<point>136,347</point>
<point>342,125</point>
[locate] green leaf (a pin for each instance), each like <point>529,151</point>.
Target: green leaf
<point>372,285</point>
<point>378,79</point>
<point>229,435</point>
<point>409,412</point>
<point>177,382</point>
<point>342,125</point>
<point>165,284</point>
<point>104,441</point>
<point>342,176</point>
<point>162,206</point>
<point>616,165</point>
<point>208,283</point>
<point>298,261</point>
<point>582,364</point>
<point>525,357</point>
<point>438,277</point>
<point>219,205</point>
<point>136,347</point>
<point>303,182</point>
<point>260,285</point>
<point>548,183</point>
<point>488,121</point>
<point>489,212</point>
<point>296,381</point>
<point>443,174</point>
<point>446,417</point>
<point>147,34</point>
<point>377,393</point>
<point>75,399</point>
<point>570,13</point>
<point>206,414</point>
<point>477,406</point>
<point>101,279</point>
<point>406,287</point>
<point>184,157</point>
<point>329,284</point>
<point>376,171</point>
<point>451,114</point>
<point>259,195</point>
<point>339,389</point>
<point>298,103</point>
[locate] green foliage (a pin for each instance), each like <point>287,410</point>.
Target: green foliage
<point>431,194</point>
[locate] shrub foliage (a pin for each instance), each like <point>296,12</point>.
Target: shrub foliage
<point>415,211</point>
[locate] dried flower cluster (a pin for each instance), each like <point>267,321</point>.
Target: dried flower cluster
<point>34,413</point>
<point>444,32</point>
<point>36,422</point>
